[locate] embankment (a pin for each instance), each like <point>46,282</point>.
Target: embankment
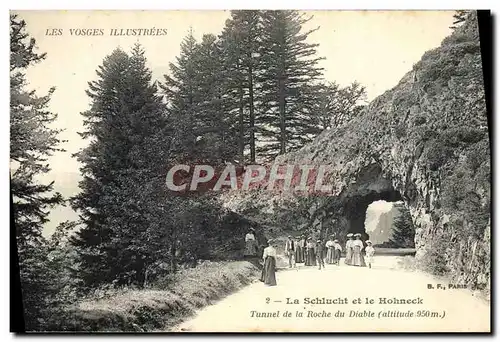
<point>162,305</point>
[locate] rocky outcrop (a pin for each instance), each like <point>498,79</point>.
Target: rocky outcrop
<point>424,142</point>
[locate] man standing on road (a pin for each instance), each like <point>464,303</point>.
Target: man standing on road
<point>320,253</point>
<point>290,251</point>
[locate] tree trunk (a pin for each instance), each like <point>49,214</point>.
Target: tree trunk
<point>252,114</point>
<point>241,140</point>
<point>173,262</point>
<point>282,115</point>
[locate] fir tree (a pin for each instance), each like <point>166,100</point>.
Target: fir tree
<point>214,124</point>
<point>403,232</point>
<point>241,39</point>
<point>289,69</point>
<point>182,97</point>
<point>336,106</point>
<point>32,141</point>
<point>121,203</point>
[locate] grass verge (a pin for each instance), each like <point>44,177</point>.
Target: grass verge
<point>166,303</point>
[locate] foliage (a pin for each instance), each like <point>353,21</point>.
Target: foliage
<point>289,70</point>
<point>435,260</point>
<point>165,303</point>
<point>459,17</point>
<point>32,142</point>
<point>403,232</point>
<point>336,105</point>
<point>122,206</point>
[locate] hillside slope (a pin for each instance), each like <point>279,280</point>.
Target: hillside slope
<point>424,142</point>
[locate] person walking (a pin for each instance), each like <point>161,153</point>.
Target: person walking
<point>357,255</point>
<point>320,249</point>
<point>370,252</point>
<point>290,251</point>
<point>330,251</point>
<point>348,249</point>
<point>337,251</point>
<point>300,249</point>
<point>268,276</point>
<point>250,244</point>
<point>310,252</point>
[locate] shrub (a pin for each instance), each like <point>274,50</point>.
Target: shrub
<point>435,260</point>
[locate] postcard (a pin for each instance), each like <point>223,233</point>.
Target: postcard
<point>250,171</point>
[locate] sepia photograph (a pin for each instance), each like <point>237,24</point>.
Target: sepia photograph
<point>250,171</point>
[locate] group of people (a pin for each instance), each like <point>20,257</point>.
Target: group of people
<point>354,251</point>
<point>311,253</point>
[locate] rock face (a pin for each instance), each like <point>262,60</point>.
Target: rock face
<point>424,142</point>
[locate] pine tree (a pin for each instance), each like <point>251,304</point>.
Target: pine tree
<point>216,140</point>
<point>403,232</point>
<point>32,141</point>
<point>289,69</point>
<point>204,133</point>
<point>121,205</point>
<point>336,106</point>
<point>241,39</point>
<point>180,90</point>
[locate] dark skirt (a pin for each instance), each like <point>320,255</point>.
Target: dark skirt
<point>310,257</point>
<point>330,255</point>
<point>269,272</point>
<point>336,256</point>
<point>299,255</point>
<point>250,248</point>
<point>358,258</point>
<point>348,256</point>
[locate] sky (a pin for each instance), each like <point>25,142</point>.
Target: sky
<point>375,48</point>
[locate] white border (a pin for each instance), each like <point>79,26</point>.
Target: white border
<point>189,4</point>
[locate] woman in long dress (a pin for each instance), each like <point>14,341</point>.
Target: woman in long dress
<point>348,249</point>
<point>330,251</point>
<point>250,244</point>
<point>299,250</point>
<point>310,253</point>
<point>269,271</point>
<point>357,257</point>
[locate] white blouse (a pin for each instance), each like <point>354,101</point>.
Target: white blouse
<point>330,243</point>
<point>269,251</point>
<point>249,237</point>
<point>349,244</point>
<point>358,243</point>
<point>338,246</point>
<point>370,251</point>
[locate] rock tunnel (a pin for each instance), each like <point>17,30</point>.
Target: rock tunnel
<point>346,213</point>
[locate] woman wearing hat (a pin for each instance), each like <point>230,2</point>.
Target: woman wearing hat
<point>348,249</point>
<point>299,250</point>
<point>330,251</point>
<point>269,271</point>
<point>357,246</point>
<point>310,252</point>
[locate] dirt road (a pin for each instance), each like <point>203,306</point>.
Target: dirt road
<point>346,299</point>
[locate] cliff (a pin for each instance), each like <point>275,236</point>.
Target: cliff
<point>424,142</point>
